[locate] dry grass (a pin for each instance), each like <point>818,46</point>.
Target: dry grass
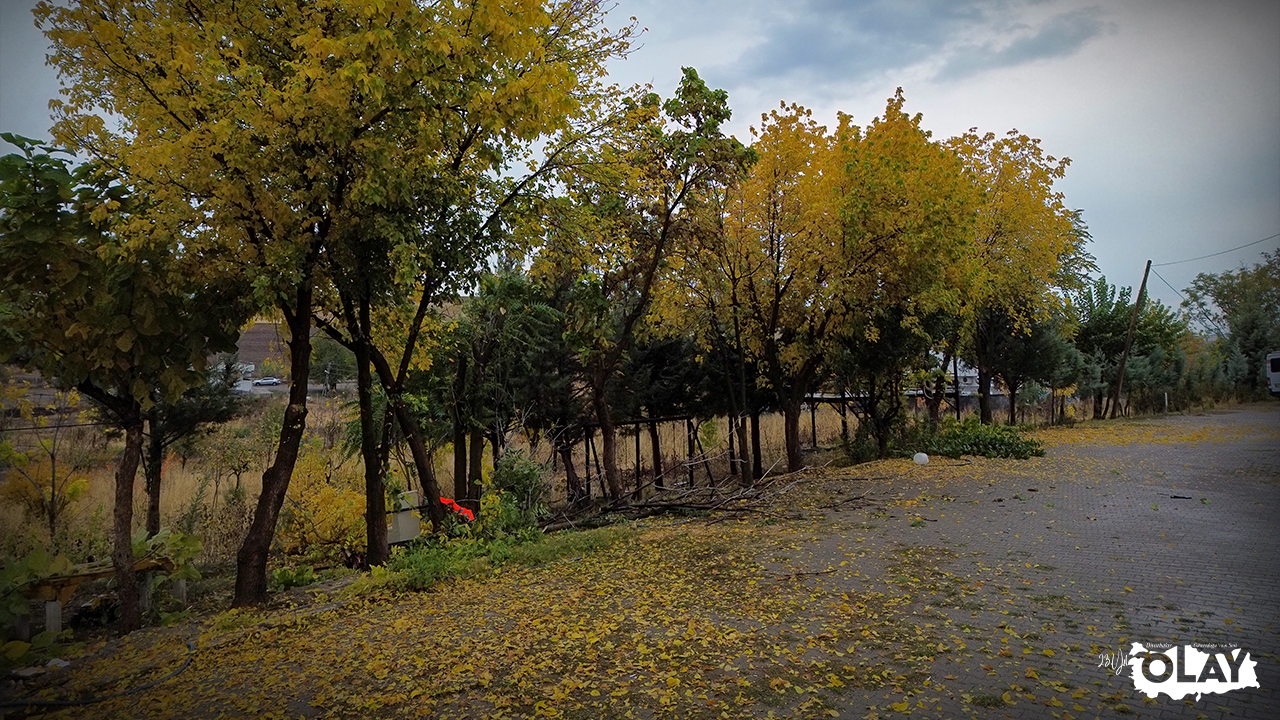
<point>183,482</point>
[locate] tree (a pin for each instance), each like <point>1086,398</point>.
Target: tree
<point>48,469</point>
<point>628,209</point>
<point>873,360</point>
<point>1019,355</point>
<point>1245,305</point>
<point>1102,315</point>
<point>716,270</point>
<point>423,237</point>
<point>332,361</point>
<point>105,305</point>
<point>490,350</point>
<point>835,227</point>
<point>551,396</point>
<point>1102,318</point>
<point>209,403</point>
<point>275,133</point>
<point>662,378</point>
<point>1029,244</point>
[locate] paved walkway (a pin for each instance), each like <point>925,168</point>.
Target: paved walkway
<point>1169,539</point>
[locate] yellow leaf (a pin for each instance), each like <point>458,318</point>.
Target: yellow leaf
<point>15,649</point>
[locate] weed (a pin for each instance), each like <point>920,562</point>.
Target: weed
<point>988,700</point>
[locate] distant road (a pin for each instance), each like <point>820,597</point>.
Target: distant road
<point>247,387</point>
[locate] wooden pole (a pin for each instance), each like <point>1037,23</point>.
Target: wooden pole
<point>688,429</point>
<point>955,377</point>
<point>844,418</point>
<point>637,461</point>
<point>813,421</point>
<point>733,466</point>
<point>1128,342</point>
<point>586,459</point>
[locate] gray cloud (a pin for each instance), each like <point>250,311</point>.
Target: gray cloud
<point>1060,36</point>
<point>830,41</point>
<point>834,40</point>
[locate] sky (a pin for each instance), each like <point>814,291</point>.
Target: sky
<point>1168,109</point>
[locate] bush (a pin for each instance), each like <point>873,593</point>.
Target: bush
<point>861,447</point>
<point>972,438</point>
<point>323,516</point>
<point>521,478</point>
<point>285,578</point>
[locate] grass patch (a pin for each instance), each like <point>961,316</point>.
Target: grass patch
<point>425,563</point>
<point>1057,602</point>
<point>988,700</point>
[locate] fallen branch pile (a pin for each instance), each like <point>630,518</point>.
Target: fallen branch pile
<point>725,500</point>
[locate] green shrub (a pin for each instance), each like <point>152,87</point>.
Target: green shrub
<point>972,438</point>
<point>285,578</point>
<point>521,478</point>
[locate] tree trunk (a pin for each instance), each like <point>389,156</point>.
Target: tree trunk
<point>743,457</point>
<point>984,396</point>
<point>122,529</point>
<point>934,402</point>
<point>573,486</point>
<point>654,444</point>
<point>1013,405</point>
<point>251,559</point>
<point>791,422</point>
<point>421,460</point>
<point>474,478</point>
<point>757,459</point>
<point>459,461</point>
<point>935,399</point>
<point>152,467</point>
<point>460,430</point>
<point>608,442</point>
<point>732,449</point>
<point>375,507</point>
<point>495,440</point>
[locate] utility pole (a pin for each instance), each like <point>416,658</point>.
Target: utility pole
<point>1128,342</point>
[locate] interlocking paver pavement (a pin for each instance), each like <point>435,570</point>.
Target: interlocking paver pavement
<point>1086,551</point>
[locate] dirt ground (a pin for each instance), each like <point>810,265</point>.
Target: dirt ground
<point>962,588</point>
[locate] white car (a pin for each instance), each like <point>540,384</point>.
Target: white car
<point>267,381</point>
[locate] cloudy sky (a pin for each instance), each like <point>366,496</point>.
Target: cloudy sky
<point>1168,109</point>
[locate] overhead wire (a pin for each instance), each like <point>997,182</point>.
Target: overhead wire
<point>1222,252</point>
<point>1184,299</point>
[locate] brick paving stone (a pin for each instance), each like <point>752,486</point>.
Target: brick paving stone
<point>1111,544</point>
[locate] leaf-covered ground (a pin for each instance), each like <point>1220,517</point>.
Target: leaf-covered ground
<point>974,588</point>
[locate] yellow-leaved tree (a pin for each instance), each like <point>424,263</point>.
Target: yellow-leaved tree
<point>1029,247</point>
<point>273,133</point>
<point>830,229</point>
